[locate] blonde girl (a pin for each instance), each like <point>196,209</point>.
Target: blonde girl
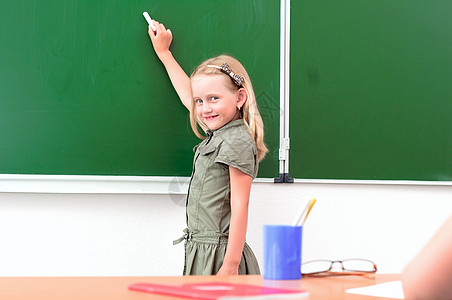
<point>221,102</point>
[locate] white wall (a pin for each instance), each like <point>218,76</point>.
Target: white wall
<point>131,235</point>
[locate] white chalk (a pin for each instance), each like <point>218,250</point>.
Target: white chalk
<point>148,18</point>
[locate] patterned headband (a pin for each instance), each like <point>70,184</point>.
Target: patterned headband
<point>238,80</point>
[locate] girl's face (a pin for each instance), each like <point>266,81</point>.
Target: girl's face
<point>215,103</point>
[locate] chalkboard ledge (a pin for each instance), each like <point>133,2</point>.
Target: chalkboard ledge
<point>373,182</point>
<point>81,184</point>
<point>159,185</point>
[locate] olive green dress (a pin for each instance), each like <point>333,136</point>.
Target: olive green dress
<point>208,200</point>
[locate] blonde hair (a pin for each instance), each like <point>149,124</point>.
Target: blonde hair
<point>250,111</point>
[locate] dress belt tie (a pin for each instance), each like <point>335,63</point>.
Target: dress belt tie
<point>209,237</point>
<point>186,236</point>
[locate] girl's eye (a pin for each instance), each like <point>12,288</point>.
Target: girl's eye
<point>213,98</point>
<point>198,101</point>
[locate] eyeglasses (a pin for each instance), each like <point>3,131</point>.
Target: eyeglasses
<point>352,266</point>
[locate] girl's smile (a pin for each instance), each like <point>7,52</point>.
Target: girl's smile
<point>210,118</point>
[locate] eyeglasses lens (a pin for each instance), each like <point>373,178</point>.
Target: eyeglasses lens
<point>316,266</point>
<point>358,265</point>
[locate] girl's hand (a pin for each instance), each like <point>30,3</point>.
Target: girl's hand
<point>227,269</point>
<point>161,40</point>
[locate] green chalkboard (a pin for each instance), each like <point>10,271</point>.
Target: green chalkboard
<point>83,93</point>
<point>371,90</point>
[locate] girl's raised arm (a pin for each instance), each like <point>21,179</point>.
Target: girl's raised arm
<point>161,42</point>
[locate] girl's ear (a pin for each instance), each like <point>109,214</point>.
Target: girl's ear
<point>241,97</point>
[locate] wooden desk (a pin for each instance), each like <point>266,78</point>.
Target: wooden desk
<point>115,288</point>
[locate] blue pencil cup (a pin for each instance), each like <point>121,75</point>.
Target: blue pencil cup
<point>282,252</point>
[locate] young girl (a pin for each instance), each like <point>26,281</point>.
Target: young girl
<point>221,102</point>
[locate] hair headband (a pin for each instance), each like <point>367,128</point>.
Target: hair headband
<point>238,80</point>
